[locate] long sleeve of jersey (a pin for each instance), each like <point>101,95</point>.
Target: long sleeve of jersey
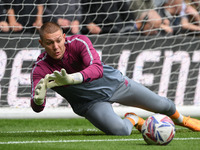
<point>35,78</point>
<point>91,63</point>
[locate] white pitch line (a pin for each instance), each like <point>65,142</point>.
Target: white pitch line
<point>68,131</point>
<point>78,141</point>
<point>49,131</point>
<point>69,141</point>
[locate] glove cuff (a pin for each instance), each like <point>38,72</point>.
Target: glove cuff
<point>38,101</point>
<point>77,78</point>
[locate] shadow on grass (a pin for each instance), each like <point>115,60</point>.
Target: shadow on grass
<point>51,134</point>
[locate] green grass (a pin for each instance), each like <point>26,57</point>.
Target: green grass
<point>79,134</point>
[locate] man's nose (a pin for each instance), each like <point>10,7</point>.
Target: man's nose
<point>55,45</point>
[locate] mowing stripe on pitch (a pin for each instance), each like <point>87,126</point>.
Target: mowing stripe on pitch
<point>79,141</point>
<point>66,131</point>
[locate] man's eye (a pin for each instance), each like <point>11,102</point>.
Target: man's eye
<point>48,43</point>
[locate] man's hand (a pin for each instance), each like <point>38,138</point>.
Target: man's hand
<point>62,78</point>
<point>94,28</point>
<point>64,23</point>
<point>40,91</point>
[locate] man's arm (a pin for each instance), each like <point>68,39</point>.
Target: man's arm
<point>15,26</point>
<point>83,49</point>
<point>90,59</point>
<point>75,26</point>
<point>189,26</point>
<point>62,78</point>
<point>38,22</point>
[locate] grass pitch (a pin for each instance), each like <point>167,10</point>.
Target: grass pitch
<point>79,134</point>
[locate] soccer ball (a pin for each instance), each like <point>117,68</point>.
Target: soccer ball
<point>158,129</point>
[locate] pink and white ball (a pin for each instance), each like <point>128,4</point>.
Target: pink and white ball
<point>158,129</point>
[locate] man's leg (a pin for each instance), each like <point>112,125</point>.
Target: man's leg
<point>102,116</point>
<point>134,94</point>
<point>190,123</point>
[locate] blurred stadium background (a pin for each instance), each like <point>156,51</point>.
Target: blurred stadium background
<point>168,64</point>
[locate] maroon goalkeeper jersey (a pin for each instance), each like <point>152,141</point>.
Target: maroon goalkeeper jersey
<point>100,81</point>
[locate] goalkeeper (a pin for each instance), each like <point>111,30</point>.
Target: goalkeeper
<point>71,67</point>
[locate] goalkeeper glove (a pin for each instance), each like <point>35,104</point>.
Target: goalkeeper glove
<point>40,91</point>
<point>62,78</point>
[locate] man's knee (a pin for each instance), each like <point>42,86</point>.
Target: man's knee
<point>120,130</point>
<point>169,107</point>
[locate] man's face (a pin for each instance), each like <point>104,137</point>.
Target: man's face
<point>175,6</point>
<point>54,44</point>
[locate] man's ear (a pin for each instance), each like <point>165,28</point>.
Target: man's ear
<point>40,41</point>
<point>64,35</point>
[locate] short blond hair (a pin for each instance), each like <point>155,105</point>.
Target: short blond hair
<point>49,27</point>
